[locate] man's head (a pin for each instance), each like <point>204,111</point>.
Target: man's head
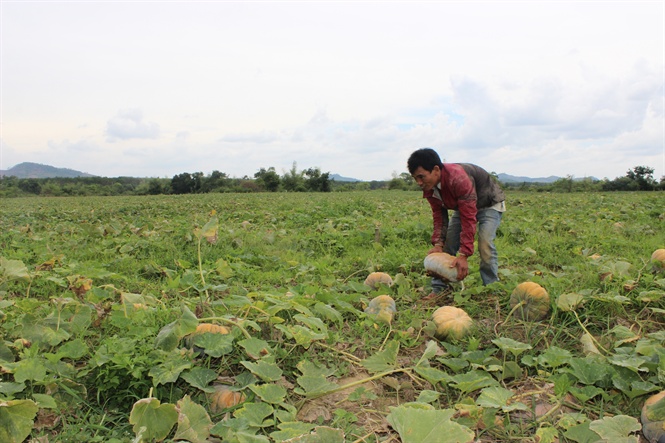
<point>425,168</point>
<point>425,158</point>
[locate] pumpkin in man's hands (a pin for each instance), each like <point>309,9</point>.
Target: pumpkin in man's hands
<point>439,264</point>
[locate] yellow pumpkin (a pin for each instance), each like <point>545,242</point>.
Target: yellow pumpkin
<point>382,308</point>
<point>224,398</point>
<point>658,260</point>
<point>439,264</point>
<point>451,322</point>
<point>534,300</point>
<point>375,279</point>
<point>211,328</point>
<point>652,428</point>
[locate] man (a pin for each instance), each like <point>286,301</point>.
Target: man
<point>474,197</point>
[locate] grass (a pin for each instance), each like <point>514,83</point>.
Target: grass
<point>288,269</point>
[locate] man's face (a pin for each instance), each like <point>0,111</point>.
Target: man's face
<point>425,179</point>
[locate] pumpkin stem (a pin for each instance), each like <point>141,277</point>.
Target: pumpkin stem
<point>589,334</point>
<point>515,308</point>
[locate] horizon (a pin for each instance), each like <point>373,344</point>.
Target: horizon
<point>330,172</point>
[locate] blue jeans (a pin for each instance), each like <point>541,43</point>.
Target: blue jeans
<point>488,222</point>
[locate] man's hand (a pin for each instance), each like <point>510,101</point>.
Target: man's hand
<point>462,266</point>
<point>435,249</point>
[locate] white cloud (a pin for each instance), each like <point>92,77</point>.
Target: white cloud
<point>129,124</point>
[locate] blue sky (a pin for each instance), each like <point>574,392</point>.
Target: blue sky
<point>153,89</point>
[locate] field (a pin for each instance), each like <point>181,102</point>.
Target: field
<point>100,300</point>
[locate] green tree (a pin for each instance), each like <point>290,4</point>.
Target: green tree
<point>183,183</point>
<point>293,180</point>
<point>643,176</point>
<point>267,179</point>
<point>317,181</point>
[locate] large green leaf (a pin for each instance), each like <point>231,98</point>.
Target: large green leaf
<point>314,378</point>
<point>200,378</point>
<point>472,381</point>
<point>416,425</point>
<point>152,419</point>
<point>193,422</point>
<point>265,370</point>
<point>169,371</point>
<point>383,360</point>
<point>170,335</point>
<point>16,420</point>
<point>269,392</point>
<point>256,414</point>
<point>13,270</point>
<point>616,429</point>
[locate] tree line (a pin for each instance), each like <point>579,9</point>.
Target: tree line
<point>638,178</point>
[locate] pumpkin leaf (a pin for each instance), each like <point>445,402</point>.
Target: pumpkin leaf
<point>169,371</point>
<point>569,302</point>
<point>265,370</point>
<point>154,418</point>
<point>320,434</point>
<point>432,375</point>
<point>383,360</point>
<point>513,346</point>
<point>472,381</point>
<point>215,345</point>
<point>314,378</point>
<point>255,414</point>
<point>416,425</point>
<point>193,422</point>
<point>269,392</point>
<point>170,335</point>
<point>200,378</point>
<point>16,419</point>
<point>11,270</point>
<point>255,348</point>
<point>498,397</point>
<point>587,370</point>
<point>617,428</point>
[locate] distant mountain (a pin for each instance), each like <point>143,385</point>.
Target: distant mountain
<point>339,178</point>
<point>507,178</point>
<point>36,170</point>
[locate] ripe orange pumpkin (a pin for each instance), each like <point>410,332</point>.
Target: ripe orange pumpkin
<point>439,264</point>
<point>210,328</point>
<point>534,299</point>
<point>375,279</point>
<point>224,398</point>
<point>451,322</point>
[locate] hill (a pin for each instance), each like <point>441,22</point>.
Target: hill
<point>507,178</point>
<point>36,170</point>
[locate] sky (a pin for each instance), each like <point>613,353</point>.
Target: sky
<point>158,88</point>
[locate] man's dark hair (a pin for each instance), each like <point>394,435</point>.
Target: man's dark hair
<point>425,157</point>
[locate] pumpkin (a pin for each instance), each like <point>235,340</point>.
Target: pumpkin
<point>204,328</point>
<point>224,398</point>
<point>211,328</point>
<point>451,322</point>
<point>658,260</point>
<point>382,308</point>
<point>533,300</point>
<point>652,428</point>
<point>439,264</point>
<point>375,279</point>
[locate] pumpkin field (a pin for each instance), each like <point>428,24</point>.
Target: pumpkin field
<point>245,318</point>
